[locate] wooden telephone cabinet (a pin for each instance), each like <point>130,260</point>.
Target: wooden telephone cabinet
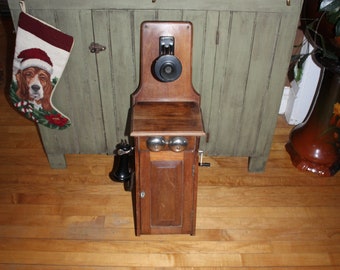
<point>166,123</point>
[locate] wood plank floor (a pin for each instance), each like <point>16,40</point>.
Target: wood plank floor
<point>79,219</point>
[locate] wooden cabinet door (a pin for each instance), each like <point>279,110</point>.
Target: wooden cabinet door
<point>252,56</point>
<point>167,192</point>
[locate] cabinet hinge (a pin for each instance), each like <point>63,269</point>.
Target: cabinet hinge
<point>193,170</point>
<point>217,40</point>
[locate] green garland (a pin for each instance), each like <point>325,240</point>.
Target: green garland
<point>51,119</point>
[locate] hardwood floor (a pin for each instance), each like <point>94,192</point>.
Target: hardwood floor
<point>79,219</point>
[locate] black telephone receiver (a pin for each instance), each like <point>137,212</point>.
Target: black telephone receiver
<point>167,67</point>
<point>122,167</point>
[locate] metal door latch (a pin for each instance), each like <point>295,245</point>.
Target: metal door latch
<point>96,48</point>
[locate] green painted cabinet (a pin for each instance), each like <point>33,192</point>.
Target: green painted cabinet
<point>241,52</point>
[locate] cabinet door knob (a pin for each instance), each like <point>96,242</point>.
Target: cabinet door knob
<point>142,194</point>
<point>288,2</point>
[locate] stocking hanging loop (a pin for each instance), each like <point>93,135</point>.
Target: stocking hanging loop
<point>22,6</point>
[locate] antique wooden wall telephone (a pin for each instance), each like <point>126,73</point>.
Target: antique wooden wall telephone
<point>166,124</point>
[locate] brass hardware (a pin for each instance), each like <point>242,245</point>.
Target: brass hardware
<point>96,48</point>
<point>288,2</point>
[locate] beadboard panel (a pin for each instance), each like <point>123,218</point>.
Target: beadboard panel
<point>116,70</point>
<point>249,52</point>
<point>231,5</point>
<point>272,97</point>
<point>236,38</point>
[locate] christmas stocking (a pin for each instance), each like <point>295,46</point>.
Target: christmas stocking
<point>41,53</point>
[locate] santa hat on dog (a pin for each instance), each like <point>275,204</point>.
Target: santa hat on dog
<point>35,57</point>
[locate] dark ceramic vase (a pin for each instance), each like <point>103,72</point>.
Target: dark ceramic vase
<point>314,145</point>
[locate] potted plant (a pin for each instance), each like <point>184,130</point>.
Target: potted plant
<point>314,145</point>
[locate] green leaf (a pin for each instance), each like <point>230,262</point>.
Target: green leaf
<point>337,29</point>
<point>329,5</point>
<point>333,17</point>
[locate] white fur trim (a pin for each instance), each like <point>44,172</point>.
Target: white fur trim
<point>37,63</point>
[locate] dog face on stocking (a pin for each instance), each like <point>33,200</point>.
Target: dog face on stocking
<point>34,84</point>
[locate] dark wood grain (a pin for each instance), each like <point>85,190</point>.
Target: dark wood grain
<point>171,118</point>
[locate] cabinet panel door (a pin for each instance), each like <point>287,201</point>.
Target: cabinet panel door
<point>77,93</point>
<point>118,66</point>
<point>249,78</point>
<point>168,203</point>
<point>166,193</point>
